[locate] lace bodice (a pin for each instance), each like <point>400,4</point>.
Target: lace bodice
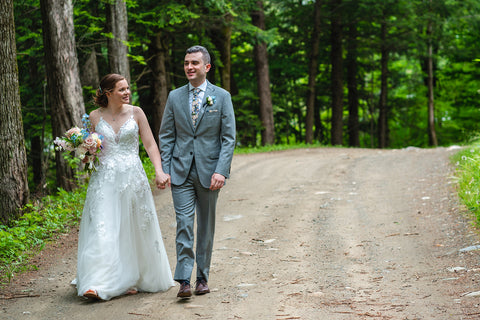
<point>119,161</point>
<point>119,148</point>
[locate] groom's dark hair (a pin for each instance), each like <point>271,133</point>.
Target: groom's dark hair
<point>203,50</point>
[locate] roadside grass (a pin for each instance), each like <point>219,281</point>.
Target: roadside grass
<point>276,147</point>
<point>53,215</point>
<point>467,176</point>
<point>41,222</point>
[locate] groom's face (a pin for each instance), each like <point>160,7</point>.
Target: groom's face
<point>195,68</point>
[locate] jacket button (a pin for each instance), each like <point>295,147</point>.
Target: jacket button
<point>194,137</point>
<point>191,152</point>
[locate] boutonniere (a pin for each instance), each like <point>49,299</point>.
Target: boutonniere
<point>210,100</point>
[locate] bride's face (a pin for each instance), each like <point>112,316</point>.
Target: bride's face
<point>120,94</point>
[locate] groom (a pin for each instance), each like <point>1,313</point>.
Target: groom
<point>197,139</point>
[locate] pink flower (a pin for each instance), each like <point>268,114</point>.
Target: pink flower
<point>93,143</point>
<point>72,131</point>
<point>90,142</point>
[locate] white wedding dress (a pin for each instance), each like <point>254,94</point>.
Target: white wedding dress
<point>120,244</point>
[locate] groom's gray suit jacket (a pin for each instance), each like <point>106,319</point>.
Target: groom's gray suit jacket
<point>211,143</point>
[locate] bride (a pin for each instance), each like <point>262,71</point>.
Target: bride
<point>120,246</point>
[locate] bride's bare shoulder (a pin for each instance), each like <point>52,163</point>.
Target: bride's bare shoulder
<point>138,113</point>
<point>136,109</point>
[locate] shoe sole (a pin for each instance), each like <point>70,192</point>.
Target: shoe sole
<point>199,293</point>
<point>92,295</point>
<point>184,295</point>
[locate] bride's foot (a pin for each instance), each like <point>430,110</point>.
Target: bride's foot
<point>131,292</point>
<point>92,294</point>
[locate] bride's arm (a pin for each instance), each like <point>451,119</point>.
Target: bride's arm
<point>94,118</point>
<point>161,179</point>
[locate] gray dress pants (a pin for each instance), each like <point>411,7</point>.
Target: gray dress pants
<point>190,199</point>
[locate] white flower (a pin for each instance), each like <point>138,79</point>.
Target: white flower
<point>210,100</point>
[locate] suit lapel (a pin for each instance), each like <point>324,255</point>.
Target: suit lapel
<point>186,108</point>
<point>208,92</point>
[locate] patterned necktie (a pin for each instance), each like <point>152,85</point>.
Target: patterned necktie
<point>195,106</point>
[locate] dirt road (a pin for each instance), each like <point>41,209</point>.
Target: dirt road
<point>307,234</point>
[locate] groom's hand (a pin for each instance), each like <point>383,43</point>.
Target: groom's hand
<point>217,181</point>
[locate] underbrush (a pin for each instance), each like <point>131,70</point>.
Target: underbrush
<point>468,179</point>
<point>41,222</point>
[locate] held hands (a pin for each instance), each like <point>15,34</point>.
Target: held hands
<point>162,180</point>
<point>217,181</point>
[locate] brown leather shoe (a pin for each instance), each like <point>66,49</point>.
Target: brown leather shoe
<point>185,290</point>
<point>201,287</point>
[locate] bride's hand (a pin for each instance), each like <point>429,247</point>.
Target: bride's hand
<point>162,180</point>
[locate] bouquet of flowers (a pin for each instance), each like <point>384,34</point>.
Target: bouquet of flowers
<point>83,142</point>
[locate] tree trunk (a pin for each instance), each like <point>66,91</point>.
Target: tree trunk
<point>432,135</point>
<point>159,86</point>
<point>36,147</point>
<point>64,88</point>
<point>263,79</point>
<point>89,71</point>
<point>352,84</point>
<point>319,127</point>
<point>337,74</point>
<point>383,108</point>
<point>37,156</point>
<point>221,36</point>
<point>226,55</point>
<point>312,74</point>
<point>117,25</point>
<point>14,191</point>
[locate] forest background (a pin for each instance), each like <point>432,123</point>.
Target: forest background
<point>357,73</point>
